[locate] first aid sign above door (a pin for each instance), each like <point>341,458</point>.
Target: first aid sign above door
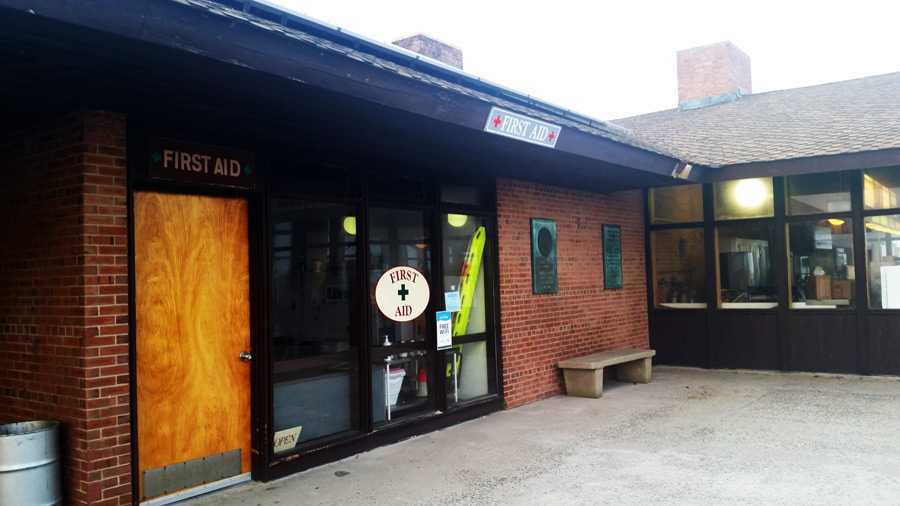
<point>402,293</point>
<point>187,162</point>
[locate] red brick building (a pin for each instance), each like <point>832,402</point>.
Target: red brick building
<point>239,243</point>
<point>202,206</point>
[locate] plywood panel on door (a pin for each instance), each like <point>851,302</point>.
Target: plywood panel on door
<point>192,322</point>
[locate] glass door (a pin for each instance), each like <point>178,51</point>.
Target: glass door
<point>314,323</point>
<point>468,371</point>
<point>401,362</point>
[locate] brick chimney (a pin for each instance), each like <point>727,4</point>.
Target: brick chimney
<point>432,48</point>
<point>712,74</point>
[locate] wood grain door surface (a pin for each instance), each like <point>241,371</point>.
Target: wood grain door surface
<point>192,322</point>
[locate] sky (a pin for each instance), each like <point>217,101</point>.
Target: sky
<point>609,60</point>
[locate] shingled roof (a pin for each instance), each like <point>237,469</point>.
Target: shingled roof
<point>842,117</point>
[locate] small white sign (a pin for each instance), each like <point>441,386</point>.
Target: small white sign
<point>402,293</point>
<point>444,330</point>
<point>286,439</point>
<point>521,127</point>
<point>451,301</point>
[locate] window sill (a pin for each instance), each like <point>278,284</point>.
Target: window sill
<point>749,305</point>
<point>831,304</point>
<point>683,305</point>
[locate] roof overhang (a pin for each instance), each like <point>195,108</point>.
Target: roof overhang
<point>244,46</point>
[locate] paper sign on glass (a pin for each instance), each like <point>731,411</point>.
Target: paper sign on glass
<point>444,330</point>
<point>286,439</point>
<point>451,301</point>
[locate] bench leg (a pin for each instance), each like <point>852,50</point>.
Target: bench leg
<point>584,382</point>
<point>635,372</point>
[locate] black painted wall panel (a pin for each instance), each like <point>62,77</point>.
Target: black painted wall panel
<point>744,340</point>
<point>822,342</point>
<point>679,337</point>
<point>883,344</point>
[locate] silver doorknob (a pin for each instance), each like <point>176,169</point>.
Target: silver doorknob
<point>245,356</point>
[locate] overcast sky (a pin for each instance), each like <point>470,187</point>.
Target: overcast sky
<point>613,59</point>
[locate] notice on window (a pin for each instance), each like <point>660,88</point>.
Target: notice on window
<point>286,439</point>
<point>444,330</point>
<point>451,301</point>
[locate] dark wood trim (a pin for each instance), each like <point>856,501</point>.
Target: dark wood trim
<point>806,165</point>
<point>780,262</point>
<point>712,273</point>
<point>861,269</point>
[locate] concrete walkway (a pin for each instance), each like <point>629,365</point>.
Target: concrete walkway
<point>690,437</point>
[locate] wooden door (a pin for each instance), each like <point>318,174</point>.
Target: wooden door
<point>192,323</point>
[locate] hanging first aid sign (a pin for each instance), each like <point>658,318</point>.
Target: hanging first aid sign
<point>402,294</point>
<point>444,330</point>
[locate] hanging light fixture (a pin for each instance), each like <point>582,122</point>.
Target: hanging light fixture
<point>350,225</point>
<point>457,220</point>
<point>750,193</point>
<point>835,222</point>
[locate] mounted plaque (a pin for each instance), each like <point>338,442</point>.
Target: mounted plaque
<point>543,256</point>
<point>612,256</point>
<point>186,162</point>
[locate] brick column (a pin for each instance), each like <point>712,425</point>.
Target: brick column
<point>64,295</point>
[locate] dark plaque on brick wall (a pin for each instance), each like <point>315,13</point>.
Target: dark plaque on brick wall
<point>543,256</point>
<point>188,162</point>
<point>612,256</point>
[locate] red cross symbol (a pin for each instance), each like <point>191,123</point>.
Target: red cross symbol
<point>551,136</point>
<point>497,121</point>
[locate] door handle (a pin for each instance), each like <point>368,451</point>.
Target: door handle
<point>245,356</point>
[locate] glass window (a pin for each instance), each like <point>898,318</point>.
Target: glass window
<point>744,198</point>
<point>466,374</point>
<point>465,239</point>
<point>880,188</point>
<point>818,193</point>
<point>679,268</point>
<point>314,349</point>
<point>676,204</point>
<point>883,252</point>
<point>400,386</point>
<point>821,263</point>
<point>397,237</point>
<point>746,273</point>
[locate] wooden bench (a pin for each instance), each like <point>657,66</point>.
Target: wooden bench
<point>584,375</point>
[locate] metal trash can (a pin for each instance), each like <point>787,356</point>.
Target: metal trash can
<point>29,464</point>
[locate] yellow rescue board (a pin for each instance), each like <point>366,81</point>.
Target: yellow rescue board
<point>468,281</point>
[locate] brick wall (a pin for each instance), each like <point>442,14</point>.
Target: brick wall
<point>64,295</point>
<point>540,330</point>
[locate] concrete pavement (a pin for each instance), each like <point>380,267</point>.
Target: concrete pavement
<point>689,437</point>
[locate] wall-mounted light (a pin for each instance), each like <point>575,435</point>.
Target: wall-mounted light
<point>350,225</point>
<point>457,220</point>
<point>750,193</point>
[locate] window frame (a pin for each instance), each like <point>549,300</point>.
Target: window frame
<point>847,216</point>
